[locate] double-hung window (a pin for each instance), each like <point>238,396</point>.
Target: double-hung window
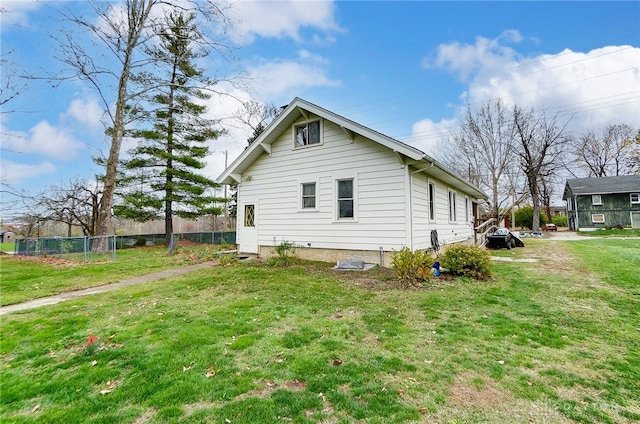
<point>345,199</point>
<point>452,206</point>
<point>634,197</point>
<point>308,195</point>
<point>596,199</point>
<point>432,201</point>
<point>307,134</point>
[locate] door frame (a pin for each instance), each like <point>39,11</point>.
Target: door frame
<point>248,242</point>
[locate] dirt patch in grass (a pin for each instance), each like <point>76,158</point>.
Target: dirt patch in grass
<point>148,414</point>
<point>270,387</point>
<point>471,390</point>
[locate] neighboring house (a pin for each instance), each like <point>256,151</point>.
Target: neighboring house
<point>7,236</point>
<point>339,190</point>
<point>603,202</point>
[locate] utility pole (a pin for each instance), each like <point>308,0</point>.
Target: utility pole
<point>226,207</point>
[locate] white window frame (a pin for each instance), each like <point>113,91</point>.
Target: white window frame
<point>297,125</point>
<point>336,200</point>
<point>452,203</point>
<point>301,196</point>
<point>431,200</point>
<point>249,217</point>
<point>593,218</point>
<point>596,199</point>
<point>466,209</point>
<point>634,198</point>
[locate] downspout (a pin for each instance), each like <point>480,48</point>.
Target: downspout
<point>575,205</point>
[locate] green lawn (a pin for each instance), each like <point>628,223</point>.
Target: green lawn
<point>8,246</point>
<point>556,341</point>
<point>24,278</point>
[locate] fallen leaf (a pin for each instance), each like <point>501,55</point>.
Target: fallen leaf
<point>94,363</point>
<point>422,410</point>
<point>336,362</point>
<point>210,372</point>
<point>501,362</point>
<point>187,368</point>
<point>35,408</point>
<point>104,392</point>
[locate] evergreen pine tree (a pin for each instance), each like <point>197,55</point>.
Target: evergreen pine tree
<point>161,177</point>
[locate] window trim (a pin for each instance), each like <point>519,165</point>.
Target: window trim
<point>299,124</point>
<point>336,205</point>
<point>431,200</point>
<point>593,218</point>
<point>593,200</point>
<point>453,207</point>
<point>252,215</point>
<point>466,209</point>
<point>301,207</point>
<point>637,196</point>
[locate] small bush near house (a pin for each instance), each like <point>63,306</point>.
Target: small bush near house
<point>286,252</point>
<point>467,261</point>
<point>412,268</point>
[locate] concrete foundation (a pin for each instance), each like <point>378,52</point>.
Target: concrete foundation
<point>333,255</point>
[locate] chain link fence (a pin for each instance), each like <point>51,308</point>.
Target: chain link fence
<point>81,248</point>
<point>71,248</point>
<point>205,237</point>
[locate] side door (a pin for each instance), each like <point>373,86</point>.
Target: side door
<point>249,232</point>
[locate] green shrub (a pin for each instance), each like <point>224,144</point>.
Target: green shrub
<point>412,268</point>
<point>467,261</point>
<point>285,250</point>
<point>524,217</point>
<point>560,220</point>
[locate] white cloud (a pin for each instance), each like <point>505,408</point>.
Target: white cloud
<point>591,89</point>
<point>429,136</point>
<point>44,139</point>
<point>287,77</point>
<point>280,19</point>
<point>598,87</point>
<point>87,112</point>
<point>16,13</point>
<point>467,59</point>
<point>14,173</point>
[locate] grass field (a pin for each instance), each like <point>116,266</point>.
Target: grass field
<point>557,341</point>
<point>24,278</point>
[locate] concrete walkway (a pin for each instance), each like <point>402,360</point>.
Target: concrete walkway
<point>58,298</point>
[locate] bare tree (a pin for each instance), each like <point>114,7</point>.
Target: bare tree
<point>119,33</point>
<point>606,153</point>
<point>74,204</point>
<point>485,146</point>
<point>256,115</point>
<point>540,142</point>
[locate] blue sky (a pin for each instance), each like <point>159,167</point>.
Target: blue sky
<point>406,69</point>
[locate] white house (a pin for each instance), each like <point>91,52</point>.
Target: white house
<point>339,190</point>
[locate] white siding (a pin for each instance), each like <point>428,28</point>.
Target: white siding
<point>380,217</point>
<point>448,232</point>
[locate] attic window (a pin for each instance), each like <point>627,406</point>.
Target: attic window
<point>307,134</point>
<point>635,197</point>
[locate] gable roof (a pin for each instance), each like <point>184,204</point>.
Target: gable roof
<point>603,185</point>
<point>299,107</point>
